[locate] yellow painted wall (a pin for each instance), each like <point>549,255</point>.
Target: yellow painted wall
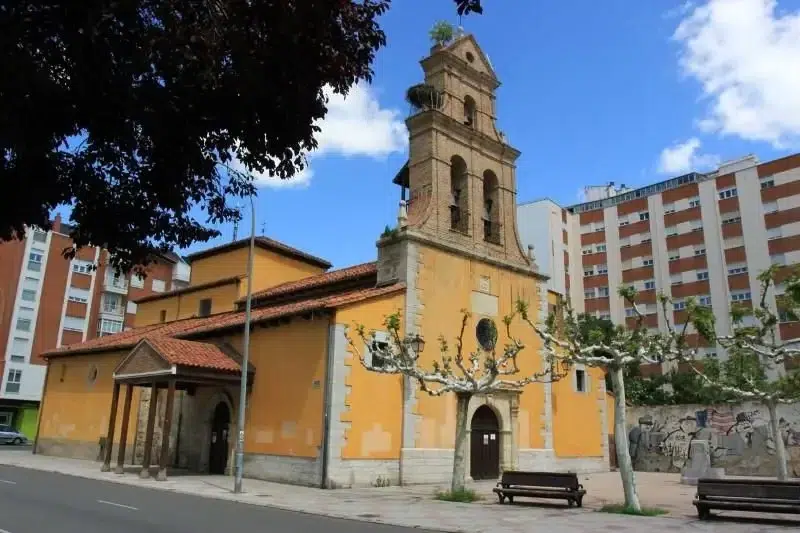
<point>77,410</point>
<point>577,416</point>
<point>446,282</point>
<point>284,416</point>
<point>269,268</point>
<point>374,404</point>
<point>186,305</point>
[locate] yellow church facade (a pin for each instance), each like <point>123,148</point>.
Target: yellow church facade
<point>165,393</point>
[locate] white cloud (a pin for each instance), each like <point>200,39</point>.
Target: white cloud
<point>684,157</point>
<point>355,126</point>
<point>745,54</point>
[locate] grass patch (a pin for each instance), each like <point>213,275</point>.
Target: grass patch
<point>461,496</point>
<point>619,508</point>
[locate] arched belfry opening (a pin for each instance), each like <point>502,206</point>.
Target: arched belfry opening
<point>470,111</point>
<point>491,208</point>
<point>485,444</point>
<point>459,195</point>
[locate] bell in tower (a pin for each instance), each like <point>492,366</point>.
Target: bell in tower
<point>459,184</point>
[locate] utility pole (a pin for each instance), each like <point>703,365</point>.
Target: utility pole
<point>237,484</point>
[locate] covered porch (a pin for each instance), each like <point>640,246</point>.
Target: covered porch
<point>163,363</point>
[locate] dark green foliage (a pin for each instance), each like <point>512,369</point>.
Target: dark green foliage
<point>161,92</point>
<point>465,7</point>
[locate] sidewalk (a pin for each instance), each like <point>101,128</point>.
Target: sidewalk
<point>414,506</point>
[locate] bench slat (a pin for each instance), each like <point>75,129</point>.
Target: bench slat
<point>540,479</point>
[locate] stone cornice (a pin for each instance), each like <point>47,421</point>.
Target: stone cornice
<point>421,238</point>
<point>445,124</point>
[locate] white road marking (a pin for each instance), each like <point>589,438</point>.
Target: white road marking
<point>8,483</point>
<point>116,505</point>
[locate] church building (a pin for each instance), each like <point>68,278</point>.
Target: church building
<point>165,393</point>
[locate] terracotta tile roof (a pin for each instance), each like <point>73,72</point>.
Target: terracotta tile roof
<point>193,354</point>
<point>187,328</point>
<point>267,244</point>
<point>190,289</point>
<point>313,282</point>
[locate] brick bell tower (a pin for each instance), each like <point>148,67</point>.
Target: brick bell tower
<point>459,184</point>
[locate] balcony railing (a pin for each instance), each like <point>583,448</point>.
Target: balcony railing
<point>119,283</point>
<point>112,309</point>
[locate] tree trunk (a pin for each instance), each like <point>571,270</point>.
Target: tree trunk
<point>621,440</point>
<point>780,449</point>
<point>460,453</point>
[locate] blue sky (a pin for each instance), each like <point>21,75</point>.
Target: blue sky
<point>618,90</point>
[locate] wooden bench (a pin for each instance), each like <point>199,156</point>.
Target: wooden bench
<point>563,486</point>
<point>756,495</point>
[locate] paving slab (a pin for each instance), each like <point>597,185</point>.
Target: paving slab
<point>414,506</point>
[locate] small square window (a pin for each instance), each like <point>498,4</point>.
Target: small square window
<point>767,184</point>
<point>41,237</point>
<point>163,315</point>
<point>377,348</point>
<point>603,292</point>
<point>205,307</point>
<point>647,262</point>
<point>649,285</point>
<point>702,275</point>
<point>580,380</point>
<point>644,216</point>
<point>29,295</point>
<point>694,202</point>
<point>24,324</point>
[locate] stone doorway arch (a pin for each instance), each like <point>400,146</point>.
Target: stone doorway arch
<point>208,413</point>
<point>484,444</point>
<point>504,404</point>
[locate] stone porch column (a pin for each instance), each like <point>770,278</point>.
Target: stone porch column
<point>112,423</point>
<point>165,432</point>
<point>123,436</point>
<point>148,438</point>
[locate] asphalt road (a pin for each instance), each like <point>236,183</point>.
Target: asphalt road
<point>32,501</point>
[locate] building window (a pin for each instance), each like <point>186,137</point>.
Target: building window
<point>82,267</point>
<point>731,219</point>
<point>602,269</point>
<point>74,323</point>
<point>588,272</point>
<point>647,262</point>
<point>649,285</point>
<point>80,296</point>
<point>23,324</point>
<point>108,327</point>
<point>112,303</point>
<point>486,333</point>
<point>774,233</point>
<point>588,294</point>
<point>459,195</point>
<point>162,315</point>
<point>777,259</point>
<point>39,236</point>
<point>737,269</point>
<point>580,380</point>
<point>623,223</point>
<point>740,296</point>
<point>131,307</point>
<point>705,300</point>
<point>644,216</point>
<point>770,207</point>
<point>600,248</point>
<point>630,312</point>
<point>599,228</point>
<point>491,208</point>
<point>694,202</point>
<point>676,279</point>
<point>204,307</point>
<point>35,259</point>
<point>669,208</point>
<point>700,251</point>
<point>602,292</point>
<point>137,281</point>
<point>586,250</point>
<point>766,184</point>
<point>470,113</point>
<point>604,315</point>
<point>159,285</point>
<point>728,193</point>
<point>674,256</point>
<point>678,305</point>
<point>14,380</point>
<point>29,295</point>
<point>378,351</point>
<point>702,275</point>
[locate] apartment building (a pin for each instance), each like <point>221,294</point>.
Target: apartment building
<point>47,302</point>
<point>701,235</point>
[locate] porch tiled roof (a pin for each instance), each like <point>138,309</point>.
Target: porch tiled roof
<point>313,282</point>
<point>190,327</point>
<point>193,354</point>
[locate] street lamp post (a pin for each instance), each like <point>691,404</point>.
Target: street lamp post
<point>237,484</point>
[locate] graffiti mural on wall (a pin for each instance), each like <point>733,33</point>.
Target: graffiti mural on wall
<point>738,436</point>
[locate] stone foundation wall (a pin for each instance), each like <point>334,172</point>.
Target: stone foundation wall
<point>76,449</point>
<point>283,469</point>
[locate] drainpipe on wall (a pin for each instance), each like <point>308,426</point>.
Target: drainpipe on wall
<point>326,402</point>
